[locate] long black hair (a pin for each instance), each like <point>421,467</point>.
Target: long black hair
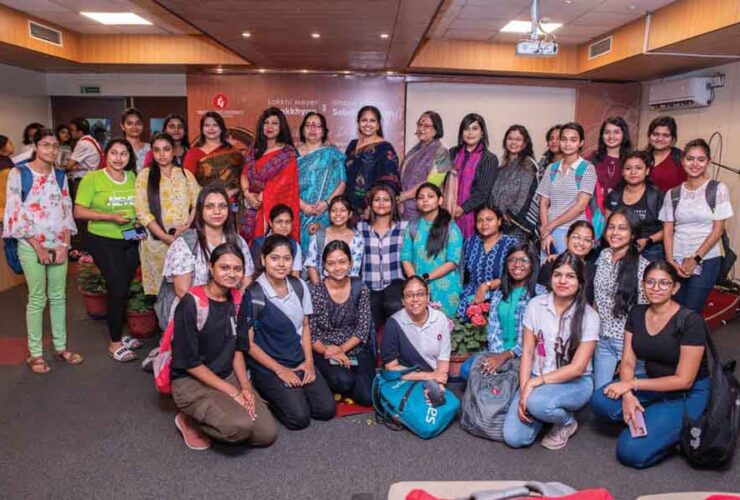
<point>549,157</point>
<point>221,124</point>
<point>579,303</point>
<point>526,151</point>
<point>155,176</point>
<point>27,136</point>
<point>131,166</point>
<point>532,255</point>
<point>663,121</point>
<point>274,241</point>
<point>467,121</point>
<point>643,156</point>
<point>627,280</point>
<point>376,112</point>
<point>226,249</point>
<point>377,188</point>
<point>624,147</point>
<point>284,136</point>
<point>440,227</point>
<point>174,116</point>
<point>229,227</point>
<point>336,245</point>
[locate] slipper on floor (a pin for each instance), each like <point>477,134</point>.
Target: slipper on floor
<point>122,355</point>
<point>131,343</point>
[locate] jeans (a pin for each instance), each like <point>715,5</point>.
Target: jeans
<point>357,381</point>
<point>560,239</point>
<point>608,354</point>
<point>549,403</point>
<point>44,282</point>
<point>295,406</point>
<point>695,290</point>
<point>468,365</point>
<point>664,413</point>
<point>117,260</point>
<point>654,252</point>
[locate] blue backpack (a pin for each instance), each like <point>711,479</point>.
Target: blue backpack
<point>10,245</point>
<point>595,209</point>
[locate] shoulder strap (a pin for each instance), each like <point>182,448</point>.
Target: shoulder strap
<point>320,240</point>
<point>297,286</point>
<point>711,193</point>
<point>191,239</point>
<point>580,172</point>
<point>356,290</point>
<point>681,316</point>
<point>676,156</point>
<point>60,175</point>
<point>675,198</point>
<point>413,227</point>
<point>26,181</point>
<point>653,198</point>
<point>201,305</point>
<point>554,167</point>
<point>258,300</point>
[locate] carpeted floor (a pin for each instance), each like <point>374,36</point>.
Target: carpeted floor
<point>100,430</point>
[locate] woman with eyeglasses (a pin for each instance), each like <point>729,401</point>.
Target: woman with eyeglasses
<point>667,172</point>
<point>321,175</point>
<point>507,306</point>
<point>694,216</point>
<point>428,161</point>
<point>483,257</point>
<point>581,241</point>
<point>669,338</point>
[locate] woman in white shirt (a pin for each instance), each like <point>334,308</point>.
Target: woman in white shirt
<point>694,216</point>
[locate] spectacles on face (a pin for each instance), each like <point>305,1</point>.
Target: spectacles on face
<point>412,295</point>
<point>581,239</point>
<point>313,126</point>
<point>424,126</point>
<point>660,284</point>
<point>518,260</point>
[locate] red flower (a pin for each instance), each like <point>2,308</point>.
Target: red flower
<point>478,320</point>
<point>474,310</point>
<point>137,275</point>
<point>485,307</point>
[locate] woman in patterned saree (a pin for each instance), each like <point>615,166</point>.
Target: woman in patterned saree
<point>270,175</point>
<point>321,175</point>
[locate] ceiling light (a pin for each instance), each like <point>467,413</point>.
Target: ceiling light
<point>262,70</point>
<point>246,34</point>
<point>219,71</point>
<point>568,1</point>
<point>315,35</point>
<point>526,27</point>
<point>390,72</point>
<point>345,72</point>
<point>633,7</point>
<point>304,71</point>
<point>116,18</point>
<point>384,36</point>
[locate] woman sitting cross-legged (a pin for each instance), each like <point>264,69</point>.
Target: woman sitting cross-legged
<point>507,306</point>
<point>274,312</point>
<point>670,339</point>
<point>210,385</point>
<point>340,326</point>
<point>581,241</point>
<point>418,336</point>
<point>560,334</point>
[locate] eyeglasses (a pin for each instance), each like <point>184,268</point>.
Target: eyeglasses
<point>424,125</point>
<point>660,284</point>
<point>518,260</point>
<point>578,237</point>
<point>412,296</point>
<point>313,125</point>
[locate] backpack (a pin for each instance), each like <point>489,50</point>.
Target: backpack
<point>258,297</point>
<point>10,245</point>
<point>102,162</point>
<point>595,208</point>
<point>162,362</point>
<point>728,255</point>
<point>166,296</point>
<point>487,399</point>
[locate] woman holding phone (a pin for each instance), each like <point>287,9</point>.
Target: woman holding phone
<point>670,339</point>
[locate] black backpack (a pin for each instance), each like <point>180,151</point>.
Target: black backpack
<point>709,441</point>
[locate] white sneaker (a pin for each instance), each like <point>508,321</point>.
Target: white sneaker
<point>558,436</point>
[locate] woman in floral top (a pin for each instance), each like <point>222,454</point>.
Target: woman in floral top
<point>340,326</point>
<point>165,199</point>
<point>42,224</point>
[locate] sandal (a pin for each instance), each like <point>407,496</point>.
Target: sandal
<point>122,355</point>
<point>69,357</point>
<point>38,365</point>
<point>131,343</point>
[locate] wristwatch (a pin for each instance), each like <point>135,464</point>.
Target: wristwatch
<point>698,259</point>
<point>425,277</point>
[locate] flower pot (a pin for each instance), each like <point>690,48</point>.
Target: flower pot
<point>141,324</point>
<point>96,304</point>
<point>456,362</point>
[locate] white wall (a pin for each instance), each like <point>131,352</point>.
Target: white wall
<point>24,100</point>
<point>115,84</point>
<point>537,108</point>
<point>722,116</point>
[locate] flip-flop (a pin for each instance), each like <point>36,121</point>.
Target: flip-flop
<point>69,357</point>
<point>131,343</point>
<point>122,355</point>
<point>38,365</point>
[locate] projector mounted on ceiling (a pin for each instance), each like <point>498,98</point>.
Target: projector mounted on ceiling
<point>539,43</point>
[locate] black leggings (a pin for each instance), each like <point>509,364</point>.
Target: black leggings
<point>384,303</point>
<point>356,382</point>
<point>117,260</point>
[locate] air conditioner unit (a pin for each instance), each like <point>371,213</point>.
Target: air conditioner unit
<point>687,93</point>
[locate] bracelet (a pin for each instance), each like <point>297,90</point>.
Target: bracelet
<point>234,396</point>
<point>634,384</point>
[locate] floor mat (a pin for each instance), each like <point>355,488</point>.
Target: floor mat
<point>345,409</point>
<point>14,350</point>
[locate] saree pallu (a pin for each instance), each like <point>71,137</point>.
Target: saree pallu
<point>423,163</point>
<point>275,175</point>
<point>224,163</point>
<point>319,174</point>
<point>372,164</point>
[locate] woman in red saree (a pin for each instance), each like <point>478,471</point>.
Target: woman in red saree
<point>270,176</point>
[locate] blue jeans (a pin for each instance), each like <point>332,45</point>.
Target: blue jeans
<point>664,413</point>
<point>549,403</point>
<point>465,367</point>
<point>695,290</point>
<point>608,353</point>
<point>654,252</point>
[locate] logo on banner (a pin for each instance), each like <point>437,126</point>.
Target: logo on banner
<point>220,101</point>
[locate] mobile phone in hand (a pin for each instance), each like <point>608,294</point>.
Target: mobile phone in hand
<point>637,425</point>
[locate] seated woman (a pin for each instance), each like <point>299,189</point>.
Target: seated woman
<point>560,334</point>
<point>581,241</point>
<point>340,327</point>
<point>431,248</point>
<point>508,303</point>
<point>340,229</point>
<point>483,261</point>
<point>275,312</point>
<point>670,339</point>
<point>418,335</point>
<point>210,385</point>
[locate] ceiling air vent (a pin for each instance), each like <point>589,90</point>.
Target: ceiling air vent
<point>603,46</point>
<point>44,33</point>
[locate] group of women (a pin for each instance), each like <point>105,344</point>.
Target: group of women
<point>393,251</point>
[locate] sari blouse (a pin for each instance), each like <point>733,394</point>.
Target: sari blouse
<point>373,164</point>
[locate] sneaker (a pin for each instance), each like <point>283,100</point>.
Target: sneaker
<point>194,438</point>
<point>558,436</point>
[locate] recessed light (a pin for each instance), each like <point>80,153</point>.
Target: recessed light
<point>246,34</point>
<point>390,72</point>
<point>315,35</point>
<point>568,1</point>
<point>219,71</point>
<point>526,27</point>
<point>117,18</point>
<point>304,71</point>
<point>384,35</point>
<point>633,7</point>
<point>262,70</point>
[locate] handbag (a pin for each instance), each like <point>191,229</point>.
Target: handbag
<point>402,403</point>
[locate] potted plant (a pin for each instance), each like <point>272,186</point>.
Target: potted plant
<point>91,284</point>
<point>468,337</point>
<point>140,316</point>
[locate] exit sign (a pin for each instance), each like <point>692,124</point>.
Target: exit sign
<point>90,89</point>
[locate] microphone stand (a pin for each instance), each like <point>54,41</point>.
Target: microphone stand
<point>734,171</point>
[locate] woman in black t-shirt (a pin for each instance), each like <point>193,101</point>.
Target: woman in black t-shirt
<point>670,339</point>
<point>637,193</point>
<point>208,372</point>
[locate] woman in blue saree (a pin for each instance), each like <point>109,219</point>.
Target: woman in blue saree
<point>321,175</point>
